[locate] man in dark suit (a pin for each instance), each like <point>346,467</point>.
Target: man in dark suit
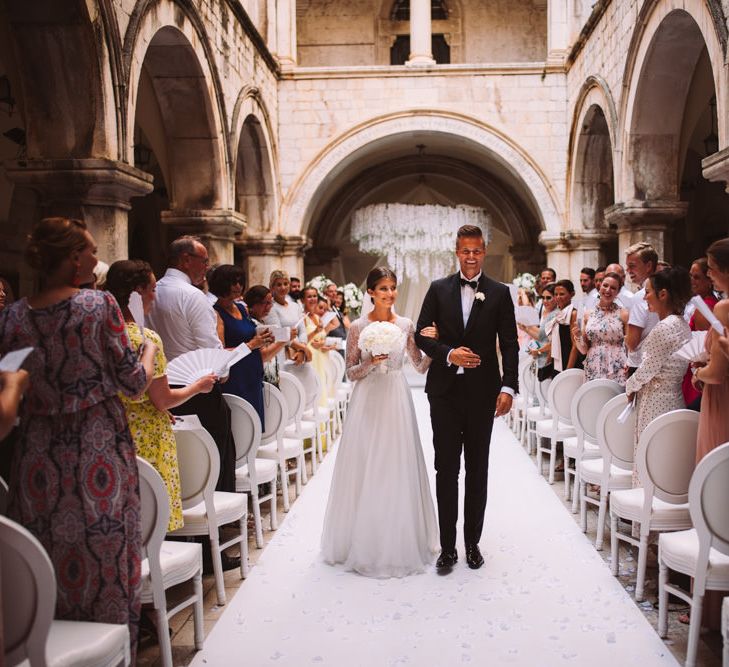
<point>465,387</point>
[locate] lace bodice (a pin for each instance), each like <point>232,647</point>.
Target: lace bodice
<point>360,364</point>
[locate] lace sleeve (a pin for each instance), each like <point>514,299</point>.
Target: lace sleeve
<point>421,361</point>
<point>657,349</point>
<point>359,364</point>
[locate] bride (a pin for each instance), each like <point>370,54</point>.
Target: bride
<point>380,519</point>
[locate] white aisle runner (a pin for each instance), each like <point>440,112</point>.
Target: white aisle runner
<point>543,597</point>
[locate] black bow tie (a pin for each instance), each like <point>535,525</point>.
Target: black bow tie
<point>471,283</point>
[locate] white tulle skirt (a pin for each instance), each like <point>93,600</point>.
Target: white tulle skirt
<point>380,519</point>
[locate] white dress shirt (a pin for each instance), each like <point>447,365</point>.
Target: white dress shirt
<point>183,316</point>
<point>640,316</point>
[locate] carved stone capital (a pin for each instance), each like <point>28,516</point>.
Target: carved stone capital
<point>277,245</point>
<point>716,167</point>
<point>213,224</point>
<point>648,215</point>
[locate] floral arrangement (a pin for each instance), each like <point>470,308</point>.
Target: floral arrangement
<point>319,283</point>
<point>379,338</point>
<point>353,299</point>
<point>525,281</point>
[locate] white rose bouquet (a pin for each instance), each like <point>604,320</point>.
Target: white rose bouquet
<point>380,338</point>
<point>319,283</point>
<point>526,281</point>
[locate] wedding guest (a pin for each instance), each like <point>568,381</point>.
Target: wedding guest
<point>656,384</point>
<point>185,321</point>
<point>602,335</point>
<point>149,421</point>
<point>587,281</point>
<point>547,276</point>
<point>701,285</point>
<point>235,326</point>
<point>6,293</point>
<point>640,261</point>
<point>339,331</point>
<point>625,297</point>
<point>13,385</point>
<point>559,329</point>
<point>315,306</point>
<point>295,293</point>
<point>600,272</point>
<point>541,351</point>
<point>341,307</point>
<point>74,481</point>
<point>286,312</point>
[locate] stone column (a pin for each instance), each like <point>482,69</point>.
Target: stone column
<point>558,31</point>
<point>586,248</point>
<point>266,252</point>
<point>648,221</point>
<point>716,167</point>
<point>525,257</point>
<point>421,49</point>
<point>271,26</point>
<point>558,252</point>
<point>217,229</point>
<point>286,33</point>
<point>97,191</point>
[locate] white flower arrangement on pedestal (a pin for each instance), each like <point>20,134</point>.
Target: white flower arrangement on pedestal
<point>319,283</point>
<point>379,338</point>
<point>525,281</point>
<point>353,299</point>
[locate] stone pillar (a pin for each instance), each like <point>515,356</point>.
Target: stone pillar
<point>558,252</point>
<point>648,221</point>
<point>716,167</point>
<point>525,257</point>
<point>586,248</point>
<point>266,252</point>
<point>558,31</point>
<point>286,33</point>
<point>421,49</point>
<point>217,229</point>
<point>97,191</point>
<point>271,26</point>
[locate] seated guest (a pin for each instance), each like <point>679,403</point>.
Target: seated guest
<point>701,285</point>
<point>563,352</point>
<point>235,326</point>
<point>602,335</point>
<point>149,421</point>
<point>74,482</point>
<point>12,386</point>
<point>657,381</point>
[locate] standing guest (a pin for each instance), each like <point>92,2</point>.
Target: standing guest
<point>342,309</point>
<point>701,286</point>
<point>205,285</point>
<point>662,265</point>
<point>339,331</point>
<point>286,312</point>
<point>657,381</point>
<point>149,421</point>
<point>295,293</point>
<point>625,297</point>
<point>315,306</point>
<point>541,351</point>
<point>590,294</point>
<point>559,329</point>
<point>547,276</point>
<point>185,321</point>
<point>13,385</point>
<point>641,261</point>
<point>74,482</point>
<point>600,272</point>
<point>235,326</point>
<point>603,335</point>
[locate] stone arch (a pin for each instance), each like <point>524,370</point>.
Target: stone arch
<point>166,43</point>
<point>668,42</point>
<point>591,166</point>
<point>254,173</point>
<point>480,138</point>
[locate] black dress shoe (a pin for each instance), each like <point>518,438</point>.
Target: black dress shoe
<point>446,560</point>
<point>473,556</point>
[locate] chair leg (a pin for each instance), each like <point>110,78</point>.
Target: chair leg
<point>575,486</point>
<point>583,506</point>
<point>614,558</point>
<point>163,637</point>
<point>314,452</point>
<point>244,546</point>
<point>284,485</point>
<point>662,598</point>
<point>602,511</point>
<point>539,453</point>
<point>642,563</point>
<point>567,475</point>
<point>694,627</point>
<point>198,610</point>
<point>257,521</point>
<point>552,459</point>
<point>298,477</point>
<point>217,567</point>
<point>302,466</point>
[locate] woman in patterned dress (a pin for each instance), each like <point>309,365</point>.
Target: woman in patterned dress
<point>657,381</point>
<point>74,481</point>
<point>149,421</point>
<point>603,334</point>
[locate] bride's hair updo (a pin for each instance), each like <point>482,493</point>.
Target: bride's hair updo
<point>377,274</point>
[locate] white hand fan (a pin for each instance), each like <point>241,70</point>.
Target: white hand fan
<point>234,356</point>
<point>327,317</point>
<point>191,366</point>
<point>706,312</point>
<point>137,310</point>
<point>527,315</point>
<point>695,349</point>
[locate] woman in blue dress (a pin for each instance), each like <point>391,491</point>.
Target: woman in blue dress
<point>235,326</point>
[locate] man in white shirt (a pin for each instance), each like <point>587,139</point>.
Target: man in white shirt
<point>640,261</point>
<point>186,321</point>
<point>625,296</point>
<point>589,293</point>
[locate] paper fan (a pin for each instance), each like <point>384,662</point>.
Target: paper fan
<point>191,366</point>
<point>695,349</point>
<point>527,315</point>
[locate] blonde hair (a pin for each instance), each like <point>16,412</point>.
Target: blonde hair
<point>278,274</point>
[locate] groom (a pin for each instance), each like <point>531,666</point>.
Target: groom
<point>465,387</point>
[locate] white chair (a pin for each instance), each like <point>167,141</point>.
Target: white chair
<point>586,405</point>
<point>614,469</point>
<point>320,416</point>
<point>343,388</point>
<point>203,508</point>
<point>29,601</point>
<point>295,396</point>
<point>525,400</point>
<point>166,563</point>
<point>559,397</point>
<point>333,403</point>
<point>276,446</point>
<point>702,552</point>
<point>536,413</point>
<point>666,460</point>
<point>251,472</point>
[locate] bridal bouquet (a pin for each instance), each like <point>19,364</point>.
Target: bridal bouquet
<point>379,338</point>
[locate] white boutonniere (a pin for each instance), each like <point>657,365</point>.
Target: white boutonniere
<point>480,296</point>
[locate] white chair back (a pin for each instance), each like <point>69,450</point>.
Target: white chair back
<point>28,594</point>
<point>666,455</point>
<point>332,371</point>
<point>616,440</point>
<point>587,403</point>
<point>246,427</point>
<point>541,390</point>
<point>199,463</point>
<point>562,391</point>
<point>709,499</point>
<point>275,414</point>
<point>527,381</point>
<point>313,395</point>
<point>294,395</point>
<point>339,362</point>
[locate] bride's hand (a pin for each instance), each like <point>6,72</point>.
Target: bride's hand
<point>430,332</point>
<point>379,358</point>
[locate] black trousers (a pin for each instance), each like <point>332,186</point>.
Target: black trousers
<point>214,415</point>
<point>461,423</point>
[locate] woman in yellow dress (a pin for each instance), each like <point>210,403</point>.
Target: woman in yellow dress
<point>149,421</point>
<point>314,307</point>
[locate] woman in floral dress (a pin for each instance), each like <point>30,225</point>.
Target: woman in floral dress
<point>74,480</point>
<point>149,421</point>
<point>603,335</point>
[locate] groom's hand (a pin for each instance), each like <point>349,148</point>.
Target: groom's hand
<point>463,356</point>
<point>503,404</point>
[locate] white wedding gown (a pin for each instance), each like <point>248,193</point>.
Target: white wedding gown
<point>380,519</point>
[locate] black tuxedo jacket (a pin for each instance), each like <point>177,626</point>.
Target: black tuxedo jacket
<point>491,318</point>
